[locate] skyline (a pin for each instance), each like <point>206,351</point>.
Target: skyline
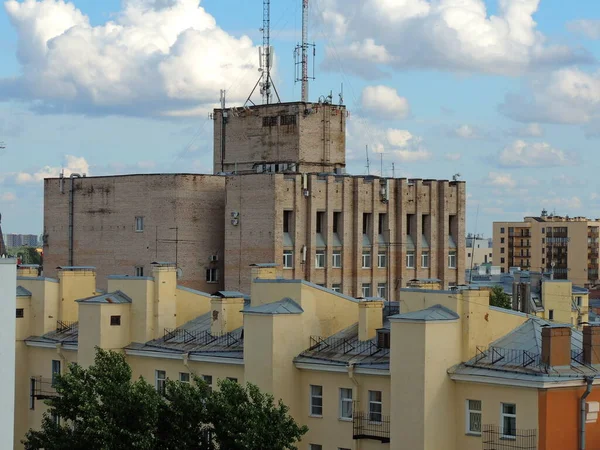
<point>508,96</point>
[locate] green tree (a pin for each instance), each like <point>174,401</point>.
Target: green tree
<point>499,298</point>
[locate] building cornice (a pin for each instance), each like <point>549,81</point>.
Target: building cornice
<point>342,369</point>
<point>52,345</point>
<point>181,356</point>
<point>514,382</point>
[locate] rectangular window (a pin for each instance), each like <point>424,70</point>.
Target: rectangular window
<point>139,271</point>
<point>409,224</point>
<point>424,259</point>
<point>212,275</point>
<point>269,121</point>
<point>287,221</point>
<point>320,228</point>
<point>452,259</point>
<point>382,290</point>
<point>501,249</point>
<point>382,259</point>
<point>55,370</point>
<point>366,259</point>
<point>551,314</point>
<point>20,313</point>
<point>410,259</point>
<point>115,321</point>
<point>502,230</point>
<point>139,224</point>
<point>468,255</point>
<point>208,380</point>
<point>288,120</point>
<point>32,382</point>
<point>543,230</point>
<point>578,301</point>
<point>375,407</point>
<point>320,259</point>
<point>336,287</point>
<point>345,404</point>
<point>160,380</point>
<point>288,259</point>
<point>509,420</point>
<point>502,260</point>
<point>336,259</point>
<point>382,223</point>
<point>315,447</point>
<point>184,377</point>
<point>366,290</point>
<point>502,240</point>
<point>473,419</point>
<point>366,223</point>
<point>316,400</point>
<point>337,222</point>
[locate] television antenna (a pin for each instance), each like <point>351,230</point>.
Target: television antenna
<point>301,55</point>
<point>368,162</point>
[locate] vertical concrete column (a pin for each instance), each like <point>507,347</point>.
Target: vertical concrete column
<point>418,225</point>
<point>443,231</point>
<point>356,221</point>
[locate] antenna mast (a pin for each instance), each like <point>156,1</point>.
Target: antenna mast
<point>301,55</point>
<point>368,163</point>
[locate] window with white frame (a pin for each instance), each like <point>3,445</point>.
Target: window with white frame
<point>316,400</point>
<point>320,259</point>
<point>410,259</point>
<point>375,406</point>
<point>315,447</point>
<point>336,259</point>
<point>425,259</point>
<point>452,259</point>
<point>160,380</point>
<point>184,377</point>
<point>382,259</point>
<point>288,259</point>
<point>345,404</point>
<point>508,419</point>
<point>473,419</point>
<point>366,290</point>
<point>139,224</point>
<point>366,259</point>
<point>212,275</point>
<point>382,290</point>
<point>336,287</point>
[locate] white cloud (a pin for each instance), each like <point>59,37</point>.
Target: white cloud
<point>588,28</point>
<point>501,180</point>
<point>74,164</point>
<point>529,130</point>
<point>8,197</point>
<point>465,132</point>
<point>452,156</point>
<point>537,154</point>
<point>562,202</point>
<point>155,58</point>
<point>455,35</point>
<point>384,102</point>
<point>412,155</point>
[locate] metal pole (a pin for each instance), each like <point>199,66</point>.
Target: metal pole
<point>267,49</point>
<point>305,51</point>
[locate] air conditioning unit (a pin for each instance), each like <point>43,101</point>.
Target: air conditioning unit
<point>214,258</point>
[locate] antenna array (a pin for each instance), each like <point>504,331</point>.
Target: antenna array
<point>301,55</point>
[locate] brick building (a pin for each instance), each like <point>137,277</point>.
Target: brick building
<point>279,193</point>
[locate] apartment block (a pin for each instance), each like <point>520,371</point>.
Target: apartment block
<point>508,380</point>
<point>478,251</point>
<point>567,247</point>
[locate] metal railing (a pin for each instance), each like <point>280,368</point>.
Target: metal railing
<point>493,437</point>
<point>62,326</point>
<point>507,356</point>
<point>345,346</point>
<point>201,338</point>
<point>370,426</point>
<point>42,388</point>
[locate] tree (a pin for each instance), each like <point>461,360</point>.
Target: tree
<point>499,298</point>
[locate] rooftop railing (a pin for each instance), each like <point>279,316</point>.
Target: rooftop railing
<point>370,425</point>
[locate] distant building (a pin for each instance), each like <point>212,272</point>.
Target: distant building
<point>566,246</point>
<point>2,241</point>
<point>21,240</point>
<point>478,251</point>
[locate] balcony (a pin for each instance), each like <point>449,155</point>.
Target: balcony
<point>42,388</point>
<point>371,426</point>
<point>494,438</point>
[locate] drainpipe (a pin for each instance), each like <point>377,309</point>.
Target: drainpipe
<point>71,212</point>
<point>588,390</point>
<point>357,402</point>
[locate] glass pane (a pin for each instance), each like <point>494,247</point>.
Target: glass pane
<point>509,426</point>
<point>475,422</point>
<point>508,408</point>
<point>375,396</point>
<point>316,390</point>
<point>475,405</point>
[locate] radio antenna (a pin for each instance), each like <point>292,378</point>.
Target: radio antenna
<point>301,55</point>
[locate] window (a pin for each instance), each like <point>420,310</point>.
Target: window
<point>410,259</point>
<point>320,259</point>
<point>509,420</point>
<point>502,240</point>
<point>425,259</point>
<point>375,406</point>
<point>315,447</point>
<point>208,380</point>
<point>366,259</point>
<point>139,224</point>
<point>468,255</point>
<point>382,222</point>
<point>336,259</point>
<point>543,230</point>
<point>382,259</point>
<point>551,314</point>
<point>288,120</point>
<point>501,249</point>
<point>235,380</point>
<point>55,418</point>
<point>345,404</point>
<point>337,222</point>
<point>20,313</point>
<point>578,301</point>
<point>288,259</point>
<point>502,230</point>
<point>502,260</point>
<point>55,370</point>
<point>320,228</point>
<point>316,400</point>
<point>212,275</point>
<point>287,221</point>
<point>382,290</point>
<point>32,393</point>
<point>366,290</point>
<point>160,380</point>
<point>336,287</point>
<point>184,377</point>
<point>452,259</point>
<point>543,241</point>
<point>115,321</point>
<point>269,121</point>
<point>473,419</point>
<point>367,223</point>
<point>139,271</point>
<point>409,224</point>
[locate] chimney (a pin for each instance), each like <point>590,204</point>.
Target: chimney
<point>370,319</point>
<point>556,345</point>
<point>591,344</point>
<point>165,296</point>
<point>264,271</point>
<point>226,313</point>
<point>32,270</point>
<point>75,283</point>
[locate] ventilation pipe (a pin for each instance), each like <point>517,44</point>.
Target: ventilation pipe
<point>71,212</point>
<point>588,390</point>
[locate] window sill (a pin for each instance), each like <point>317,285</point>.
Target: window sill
<point>212,282</point>
<point>139,231</point>
<point>314,416</point>
<point>473,434</point>
<point>320,268</point>
<point>363,267</point>
<point>287,268</point>
<point>345,419</point>
<point>508,438</point>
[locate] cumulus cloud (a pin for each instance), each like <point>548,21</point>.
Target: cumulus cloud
<point>501,180</point>
<point>156,57</point>
<point>8,197</point>
<point>384,102</point>
<point>454,35</point>
<point>536,154</point>
<point>588,28</point>
<point>73,164</point>
<point>530,130</point>
<point>562,202</point>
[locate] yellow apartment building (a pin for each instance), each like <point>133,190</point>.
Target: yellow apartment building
<point>359,377</point>
<point>566,246</point>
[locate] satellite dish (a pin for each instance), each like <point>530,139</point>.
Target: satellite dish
<point>179,273</point>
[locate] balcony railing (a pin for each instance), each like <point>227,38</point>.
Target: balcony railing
<point>62,326</point>
<point>371,426</point>
<point>494,437</point>
<point>42,388</point>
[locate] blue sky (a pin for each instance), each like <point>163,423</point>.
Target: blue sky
<point>507,96</point>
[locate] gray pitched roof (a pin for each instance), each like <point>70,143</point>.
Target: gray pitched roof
<point>433,313</point>
<point>116,297</point>
<point>22,292</point>
<point>284,306</point>
<point>232,294</point>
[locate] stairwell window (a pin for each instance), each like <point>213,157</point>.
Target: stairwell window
<point>375,407</point>
<point>452,259</point>
<point>366,290</point>
<point>336,259</point>
<point>139,271</point>
<point>345,404</point>
<point>473,419</point>
<point>139,224</point>
<point>366,259</point>
<point>316,400</point>
<point>424,259</point>
<point>508,418</point>
<point>320,259</point>
<point>160,381</point>
<point>288,259</point>
<point>410,259</point>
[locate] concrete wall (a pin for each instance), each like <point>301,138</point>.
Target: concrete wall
<point>8,277</point>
